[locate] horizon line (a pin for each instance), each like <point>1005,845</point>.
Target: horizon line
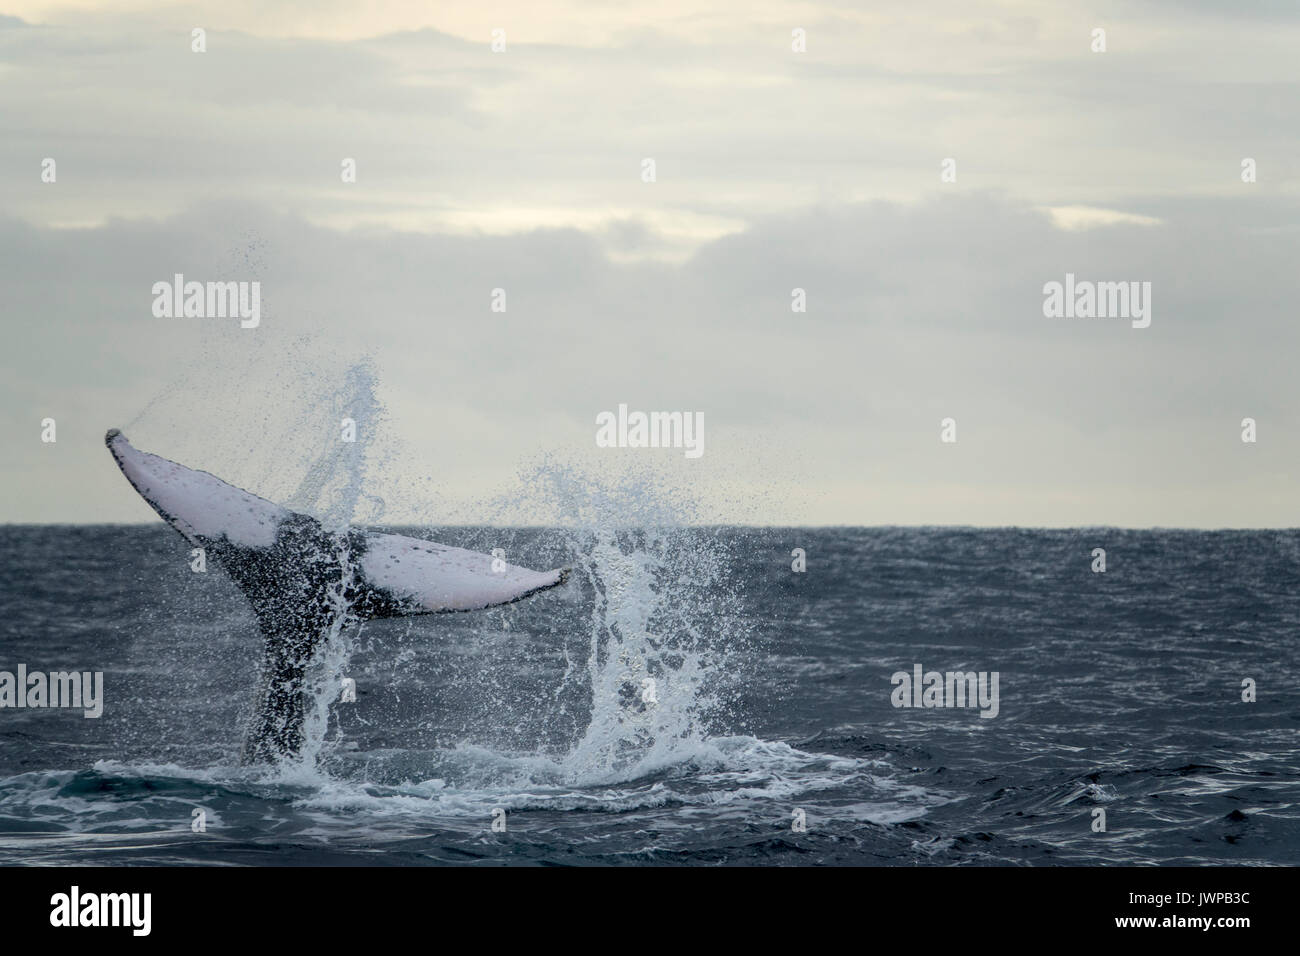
<point>719,524</point>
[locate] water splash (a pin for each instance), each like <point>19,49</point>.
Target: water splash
<point>661,637</point>
<point>324,678</point>
<point>656,637</point>
<point>331,490</point>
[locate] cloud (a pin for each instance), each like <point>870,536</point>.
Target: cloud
<point>776,170</point>
<point>916,312</point>
<point>449,136</point>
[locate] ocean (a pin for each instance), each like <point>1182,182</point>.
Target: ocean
<point>687,698</point>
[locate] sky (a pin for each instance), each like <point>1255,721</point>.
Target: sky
<point>920,171</point>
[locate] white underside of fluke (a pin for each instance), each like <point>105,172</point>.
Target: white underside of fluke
<point>442,578</point>
<point>432,577</point>
<point>196,503</point>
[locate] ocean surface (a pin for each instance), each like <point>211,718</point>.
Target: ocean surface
<point>686,699</point>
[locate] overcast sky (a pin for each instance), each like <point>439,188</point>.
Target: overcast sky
<point>774,170</point>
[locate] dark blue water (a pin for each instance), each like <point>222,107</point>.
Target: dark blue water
<point>1119,690</point>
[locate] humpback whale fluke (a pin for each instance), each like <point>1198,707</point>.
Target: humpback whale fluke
<point>301,579</point>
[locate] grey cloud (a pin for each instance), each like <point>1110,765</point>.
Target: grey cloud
<point>915,312</point>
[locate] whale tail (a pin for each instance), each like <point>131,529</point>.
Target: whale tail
<point>300,578</point>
